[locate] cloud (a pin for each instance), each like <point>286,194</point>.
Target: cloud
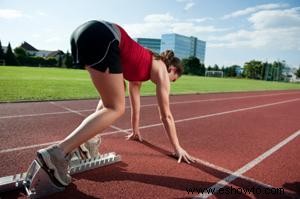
<point>154,18</point>
<point>254,9</point>
<point>155,25</point>
<point>41,13</point>
<point>199,20</point>
<point>276,18</point>
<point>10,13</point>
<point>269,29</point>
<point>189,5</point>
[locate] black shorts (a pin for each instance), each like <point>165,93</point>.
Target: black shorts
<point>96,44</point>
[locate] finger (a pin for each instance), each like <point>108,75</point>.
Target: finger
<point>193,159</point>
<point>186,159</point>
<point>140,138</point>
<point>129,137</point>
<point>179,159</point>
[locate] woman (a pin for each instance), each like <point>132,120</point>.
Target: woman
<point>110,55</point>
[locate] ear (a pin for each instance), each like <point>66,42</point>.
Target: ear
<point>172,68</point>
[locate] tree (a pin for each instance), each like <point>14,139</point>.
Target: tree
<point>277,67</point>
<point>231,71</point>
<point>21,56</point>
<point>253,69</point>
<point>216,67</point>
<point>193,66</point>
<point>1,52</point>
<point>298,72</point>
<point>10,58</point>
<point>68,60</point>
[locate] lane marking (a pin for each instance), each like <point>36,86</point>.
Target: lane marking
<point>224,182</point>
<point>234,175</point>
<point>150,105</point>
<point>198,117</point>
<point>80,114</point>
<point>27,147</point>
<point>67,109</point>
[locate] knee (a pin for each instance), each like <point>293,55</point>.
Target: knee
<point>118,109</point>
<point>121,109</point>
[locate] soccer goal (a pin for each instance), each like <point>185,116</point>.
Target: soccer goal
<point>214,73</point>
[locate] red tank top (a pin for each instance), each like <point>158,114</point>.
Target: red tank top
<point>135,59</point>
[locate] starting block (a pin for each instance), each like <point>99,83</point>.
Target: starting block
<point>38,183</point>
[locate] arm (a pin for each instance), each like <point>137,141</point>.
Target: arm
<point>162,92</point>
<point>134,94</point>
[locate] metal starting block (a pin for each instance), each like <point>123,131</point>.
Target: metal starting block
<point>38,183</point>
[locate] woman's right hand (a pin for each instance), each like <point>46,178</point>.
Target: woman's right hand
<point>135,135</point>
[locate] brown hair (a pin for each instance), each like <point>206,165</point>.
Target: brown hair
<point>169,59</point>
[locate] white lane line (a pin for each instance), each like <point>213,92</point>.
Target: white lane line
<point>224,182</point>
<point>200,117</point>
<point>27,147</point>
<point>245,178</point>
<point>78,113</point>
<point>149,105</point>
<point>68,109</point>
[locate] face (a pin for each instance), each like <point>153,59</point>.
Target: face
<point>172,74</point>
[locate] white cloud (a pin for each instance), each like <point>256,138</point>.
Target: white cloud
<point>10,13</point>
<point>269,29</point>
<point>199,20</point>
<point>254,9</point>
<point>41,13</point>
<point>276,18</point>
<point>276,39</point>
<point>157,24</point>
<point>159,18</point>
<point>189,5</point>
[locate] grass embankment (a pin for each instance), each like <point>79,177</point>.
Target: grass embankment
<point>38,84</point>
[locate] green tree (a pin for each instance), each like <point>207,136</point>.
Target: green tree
<point>10,58</point>
<point>68,60</point>
<point>277,67</point>
<point>21,56</point>
<point>253,69</point>
<point>230,71</point>
<point>60,61</point>
<point>216,67</point>
<point>1,52</point>
<point>193,66</point>
<point>298,72</point>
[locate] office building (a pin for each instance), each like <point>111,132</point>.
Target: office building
<point>184,46</point>
<point>152,44</point>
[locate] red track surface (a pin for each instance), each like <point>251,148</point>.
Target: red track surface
<point>225,131</point>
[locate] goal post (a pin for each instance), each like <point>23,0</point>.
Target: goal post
<point>214,73</point>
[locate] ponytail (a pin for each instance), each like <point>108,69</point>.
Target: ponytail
<point>168,57</point>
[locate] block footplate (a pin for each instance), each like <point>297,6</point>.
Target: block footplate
<point>38,183</point>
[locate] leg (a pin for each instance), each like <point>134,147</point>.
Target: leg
<point>111,89</point>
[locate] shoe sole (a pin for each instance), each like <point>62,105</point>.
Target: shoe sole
<point>45,159</point>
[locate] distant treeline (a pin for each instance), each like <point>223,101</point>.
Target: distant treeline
<point>276,71</point>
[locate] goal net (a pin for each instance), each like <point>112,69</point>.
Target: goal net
<point>214,73</point>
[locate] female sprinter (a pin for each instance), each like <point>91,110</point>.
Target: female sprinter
<point>109,55</point>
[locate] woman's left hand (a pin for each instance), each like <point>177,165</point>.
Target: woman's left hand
<point>180,153</point>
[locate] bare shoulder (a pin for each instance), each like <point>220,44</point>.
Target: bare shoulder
<point>158,71</point>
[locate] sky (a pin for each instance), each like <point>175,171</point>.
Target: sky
<point>235,31</point>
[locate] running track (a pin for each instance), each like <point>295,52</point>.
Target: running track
<point>242,140</point>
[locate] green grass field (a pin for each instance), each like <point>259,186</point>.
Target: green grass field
<point>38,84</point>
